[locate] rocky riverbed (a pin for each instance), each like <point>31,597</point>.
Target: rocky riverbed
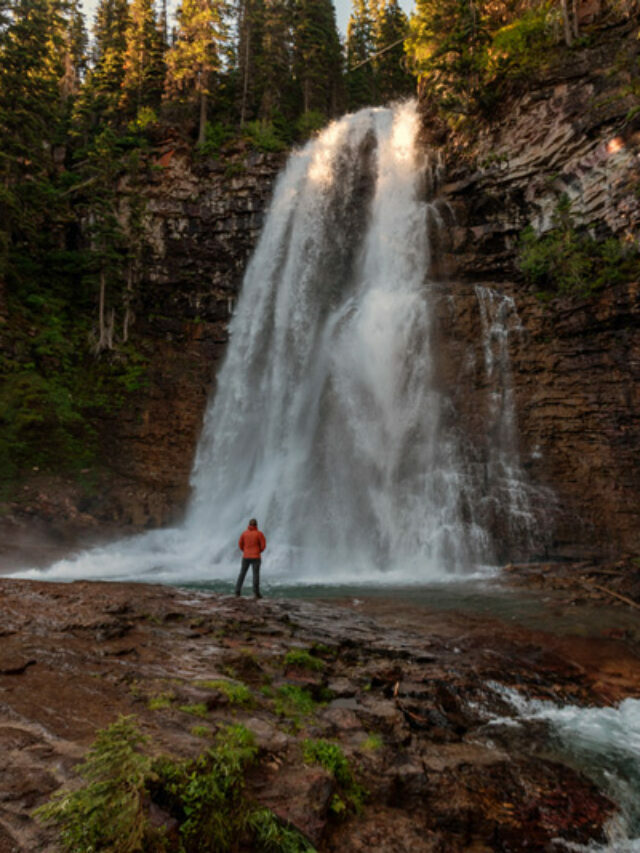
<point>416,700</point>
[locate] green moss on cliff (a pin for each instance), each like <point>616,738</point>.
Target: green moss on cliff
<point>565,260</point>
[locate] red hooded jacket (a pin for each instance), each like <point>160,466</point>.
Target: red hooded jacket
<point>252,543</point>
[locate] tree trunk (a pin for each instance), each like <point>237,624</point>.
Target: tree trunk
<point>202,131</point>
<point>245,81</point>
<point>127,305</point>
<point>575,11</point>
<point>102,337</point>
<point>109,329</point>
<point>568,38</point>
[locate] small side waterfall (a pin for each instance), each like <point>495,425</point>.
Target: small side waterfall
<point>328,423</point>
<point>507,495</point>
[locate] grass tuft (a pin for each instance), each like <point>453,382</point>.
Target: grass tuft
<point>351,795</point>
<point>236,692</point>
<point>198,709</point>
<point>303,659</point>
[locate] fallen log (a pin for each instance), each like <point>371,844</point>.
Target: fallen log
<point>612,593</point>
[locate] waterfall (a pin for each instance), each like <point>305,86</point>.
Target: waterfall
<point>329,424</point>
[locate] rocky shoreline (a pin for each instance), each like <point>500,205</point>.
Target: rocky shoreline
<point>410,696</point>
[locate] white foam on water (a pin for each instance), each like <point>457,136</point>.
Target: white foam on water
<point>605,743</point>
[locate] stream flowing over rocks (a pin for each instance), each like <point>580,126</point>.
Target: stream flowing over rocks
<point>435,712</point>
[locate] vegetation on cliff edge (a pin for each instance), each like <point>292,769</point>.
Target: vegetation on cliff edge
<point>567,260</point>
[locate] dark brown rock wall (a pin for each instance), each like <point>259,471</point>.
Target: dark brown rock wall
<point>202,222</point>
<point>577,376</point>
<point>576,363</point>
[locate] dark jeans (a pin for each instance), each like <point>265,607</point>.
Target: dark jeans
<point>244,568</point>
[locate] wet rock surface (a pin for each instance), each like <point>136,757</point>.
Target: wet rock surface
<point>408,694</point>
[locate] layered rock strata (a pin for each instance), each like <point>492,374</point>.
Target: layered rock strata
<point>202,220</point>
<point>575,361</point>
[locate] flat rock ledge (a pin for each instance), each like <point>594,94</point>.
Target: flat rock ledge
<point>415,707</point>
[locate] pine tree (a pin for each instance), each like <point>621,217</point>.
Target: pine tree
<point>196,56</point>
<point>5,16</point>
<point>360,47</point>
<point>106,238</point>
<point>78,41</point>
<point>446,43</point>
<point>392,78</point>
<point>110,43</point>
<point>75,59</point>
<point>32,119</point>
<point>250,27</point>
<point>276,89</point>
<point>144,67</point>
<point>318,57</point>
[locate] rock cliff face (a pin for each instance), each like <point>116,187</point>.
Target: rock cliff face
<point>574,367</point>
<point>202,223</point>
<point>203,218</point>
<point>574,362</point>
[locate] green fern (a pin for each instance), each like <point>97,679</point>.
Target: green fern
<point>108,812</point>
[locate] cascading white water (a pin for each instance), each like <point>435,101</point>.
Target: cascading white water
<point>604,743</point>
<point>510,492</point>
<point>325,425</point>
<point>328,423</point>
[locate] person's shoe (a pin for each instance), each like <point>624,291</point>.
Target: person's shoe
<point>257,595</point>
<point>237,594</point>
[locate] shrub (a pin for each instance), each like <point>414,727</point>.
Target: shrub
<point>236,692</point>
<point>264,136</point>
<point>330,756</point>
<point>160,701</point>
<point>271,836</point>
<point>107,812</point>
<point>521,46</point>
<point>565,260</point>
<point>198,709</point>
<point>293,701</point>
<point>206,796</point>
<point>310,123</point>
<point>216,134</point>
<point>372,743</point>
<point>145,118</point>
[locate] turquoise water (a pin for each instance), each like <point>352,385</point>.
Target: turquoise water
<point>549,611</point>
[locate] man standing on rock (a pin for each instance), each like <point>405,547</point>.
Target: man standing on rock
<point>252,543</point>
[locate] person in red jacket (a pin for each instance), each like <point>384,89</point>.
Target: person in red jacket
<point>252,543</point>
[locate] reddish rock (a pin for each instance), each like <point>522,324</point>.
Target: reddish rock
<point>437,778</point>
